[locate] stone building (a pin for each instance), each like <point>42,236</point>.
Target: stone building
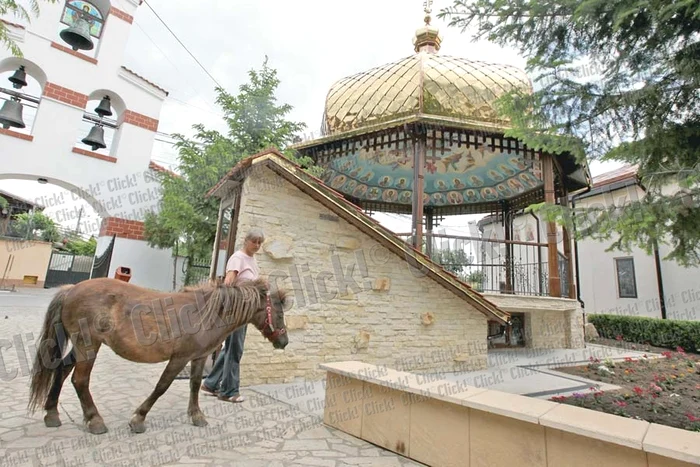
<point>359,292</point>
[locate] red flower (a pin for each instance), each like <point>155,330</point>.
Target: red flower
<point>639,391</point>
<point>667,354</point>
<point>618,337</point>
<point>629,359</point>
<point>679,349</point>
<point>620,403</point>
<point>558,398</point>
<point>692,418</point>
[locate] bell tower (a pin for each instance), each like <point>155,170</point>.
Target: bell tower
<point>79,118</point>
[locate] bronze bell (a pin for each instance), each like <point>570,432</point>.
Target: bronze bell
<point>11,114</point>
<point>104,109</point>
<point>19,78</point>
<point>96,138</point>
<point>78,35</point>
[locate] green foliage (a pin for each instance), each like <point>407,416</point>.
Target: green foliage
<point>653,331</point>
<point>453,261</point>
<point>255,121</point>
<point>34,226</point>
<point>82,247</point>
<point>644,109</point>
<point>4,203</point>
<point>14,8</point>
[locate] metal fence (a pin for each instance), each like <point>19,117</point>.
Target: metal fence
<point>492,265</point>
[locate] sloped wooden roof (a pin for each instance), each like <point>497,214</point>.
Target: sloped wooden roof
<point>332,200</point>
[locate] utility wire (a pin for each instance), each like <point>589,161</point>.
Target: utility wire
<point>183,45</point>
<point>211,109</point>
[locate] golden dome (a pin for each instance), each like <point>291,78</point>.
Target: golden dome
<point>424,85</point>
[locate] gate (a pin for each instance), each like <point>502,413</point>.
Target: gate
<point>197,271</point>
<point>67,268</point>
<point>100,267</point>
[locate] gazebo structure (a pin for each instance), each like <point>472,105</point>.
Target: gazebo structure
<point>421,136</point>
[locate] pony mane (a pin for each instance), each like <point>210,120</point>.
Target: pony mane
<point>230,302</point>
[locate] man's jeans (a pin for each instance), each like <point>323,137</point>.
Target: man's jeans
<point>227,369</point>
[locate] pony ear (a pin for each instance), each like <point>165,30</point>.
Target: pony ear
<point>282,295</point>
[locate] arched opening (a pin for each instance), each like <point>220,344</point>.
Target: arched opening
<point>21,86</point>
<point>49,231</point>
<point>103,115</point>
<point>81,25</point>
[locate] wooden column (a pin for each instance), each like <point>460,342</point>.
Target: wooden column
<point>550,198</point>
<point>508,231</point>
<point>233,228</point>
<point>429,224</point>
<point>217,241</point>
<point>418,187</point>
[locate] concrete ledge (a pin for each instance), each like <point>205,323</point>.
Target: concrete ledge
<point>440,422</point>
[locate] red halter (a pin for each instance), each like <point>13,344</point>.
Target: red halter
<point>268,329</point>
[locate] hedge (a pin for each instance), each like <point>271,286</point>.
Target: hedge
<point>652,331</point>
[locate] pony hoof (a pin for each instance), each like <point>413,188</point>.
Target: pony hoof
<point>96,427</point>
<point>137,426</point>
<point>52,421</point>
<point>199,420</point>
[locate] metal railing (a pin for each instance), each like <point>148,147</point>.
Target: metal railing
<point>492,265</point>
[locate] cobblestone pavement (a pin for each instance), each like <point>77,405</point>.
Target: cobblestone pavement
<point>261,431</point>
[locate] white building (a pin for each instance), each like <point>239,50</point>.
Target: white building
<point>635,283</point>
<point>606,282</point>
<point>64,86</point>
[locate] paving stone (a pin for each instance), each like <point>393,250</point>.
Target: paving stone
<point>315,433</point>
<point>329,454</point>
<point>15,422</point>
<point>11,435</point>
<point>305,444</point>
<point>349,450</point>
<point>317,462</point>
<point>28,443</point>
<point>370,452</point>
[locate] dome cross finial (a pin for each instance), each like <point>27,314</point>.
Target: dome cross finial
<point>427,8</point>
<point>427,38</point>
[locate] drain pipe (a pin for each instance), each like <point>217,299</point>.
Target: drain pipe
<point>657,264</point>
<point>539,250</point>
<point>578,275</point>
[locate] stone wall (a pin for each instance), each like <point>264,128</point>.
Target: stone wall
<point>550,323</point>
<point>352,298</point>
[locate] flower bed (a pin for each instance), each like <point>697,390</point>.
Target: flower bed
<point>662,390</point>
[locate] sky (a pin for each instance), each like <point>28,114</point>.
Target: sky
<point>311,44</point>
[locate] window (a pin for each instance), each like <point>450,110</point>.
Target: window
<point>626,282</point>
<point>77,9</point>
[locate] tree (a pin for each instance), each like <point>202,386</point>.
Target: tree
<point>35,225</point>
<point>80,247</point>
<point>451,260</point>
<point>643,110</point>
<point>255,121</point>
<point>13,7</point>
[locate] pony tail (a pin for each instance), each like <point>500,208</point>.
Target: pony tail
<point>42,376</point>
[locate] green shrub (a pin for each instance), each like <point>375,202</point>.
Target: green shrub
<point>653,331</point>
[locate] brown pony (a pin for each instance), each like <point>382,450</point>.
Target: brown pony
<point>143,326</point>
